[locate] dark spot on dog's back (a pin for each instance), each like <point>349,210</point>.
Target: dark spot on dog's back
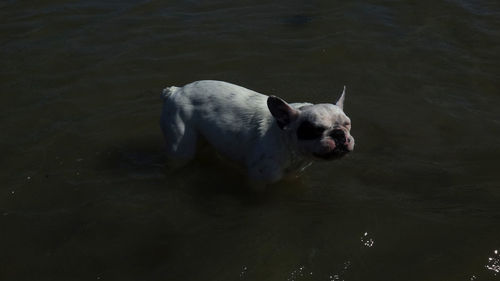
<point>199,100</point>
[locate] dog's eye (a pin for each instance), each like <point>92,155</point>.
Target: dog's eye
<point>309,131</point>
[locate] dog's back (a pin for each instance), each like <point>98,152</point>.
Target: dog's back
<point>228,116</point>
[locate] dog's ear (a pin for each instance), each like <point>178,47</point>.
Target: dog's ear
<point>282,111</point>
<point>340,102</point>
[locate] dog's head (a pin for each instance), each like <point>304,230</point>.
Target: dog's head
<point>320,130</point>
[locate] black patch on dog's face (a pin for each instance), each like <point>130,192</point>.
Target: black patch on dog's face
<point>309,131</point>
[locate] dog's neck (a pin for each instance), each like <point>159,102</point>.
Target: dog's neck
<point>297,161</point>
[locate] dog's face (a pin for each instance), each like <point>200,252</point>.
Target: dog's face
<point>319,130</point>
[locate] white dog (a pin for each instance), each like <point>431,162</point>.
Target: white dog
<point>270,137</point>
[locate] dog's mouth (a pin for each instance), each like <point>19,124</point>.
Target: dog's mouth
<point>340,148</point>
<point>336,153</point>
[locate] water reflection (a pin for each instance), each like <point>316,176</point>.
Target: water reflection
<point>243,272</point>
<point>335,277</point>
<point>494,263</point>
<point>367,240</point>
<point>492,267</point>
<point>340,276</point>
<point>299,274</point>
<point>340,273</point>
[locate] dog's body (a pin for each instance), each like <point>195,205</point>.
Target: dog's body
<point>265,134</point>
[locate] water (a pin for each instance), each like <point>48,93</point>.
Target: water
<point>86,196</point>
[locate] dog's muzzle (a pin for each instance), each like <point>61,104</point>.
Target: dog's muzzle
<point>341,146</point>
<point>339,138</point>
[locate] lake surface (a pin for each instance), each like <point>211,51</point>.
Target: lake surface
<point>86,194</point>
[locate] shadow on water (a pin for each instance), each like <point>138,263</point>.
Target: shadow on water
<point>133,157</point>
<point>208,176</point>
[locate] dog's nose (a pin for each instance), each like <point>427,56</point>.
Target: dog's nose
<point>337,134</point>
<point>339,137</point>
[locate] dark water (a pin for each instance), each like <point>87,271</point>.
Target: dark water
<point>86,196</point>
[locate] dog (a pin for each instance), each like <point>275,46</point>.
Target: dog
<point>271,138</point>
